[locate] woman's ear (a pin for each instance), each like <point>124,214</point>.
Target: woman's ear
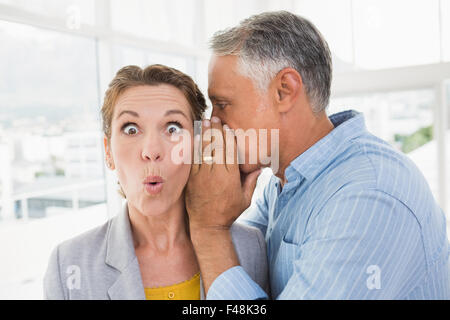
<point>109,159</point>
<point>288,84</point>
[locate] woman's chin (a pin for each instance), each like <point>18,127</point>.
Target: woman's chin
<point>153,210</point>
<point>149,206</point>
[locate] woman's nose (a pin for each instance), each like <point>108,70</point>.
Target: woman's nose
<point>152,150</point>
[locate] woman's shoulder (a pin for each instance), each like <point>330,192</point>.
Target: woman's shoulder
<point>86,250</point>
<point>250,247</point>
<point>248,242</point>
<point>73,257</point>
<point>88,240</point>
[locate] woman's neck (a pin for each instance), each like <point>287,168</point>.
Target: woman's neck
<point>160,233</point>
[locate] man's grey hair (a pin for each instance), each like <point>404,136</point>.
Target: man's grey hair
<point>269,42</point>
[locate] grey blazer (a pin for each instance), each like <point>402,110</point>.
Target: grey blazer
<point>101,263</point>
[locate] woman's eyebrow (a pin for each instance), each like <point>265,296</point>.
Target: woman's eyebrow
<point>168,113</point>
<point>133,113</point>
<point>175,111</point>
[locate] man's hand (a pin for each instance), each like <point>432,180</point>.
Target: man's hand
<point>216,194</point>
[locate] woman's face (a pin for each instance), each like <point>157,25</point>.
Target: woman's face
<point>148,128</point>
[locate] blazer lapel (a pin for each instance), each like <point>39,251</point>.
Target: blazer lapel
<point>121,256</point>
<point>128,285</point>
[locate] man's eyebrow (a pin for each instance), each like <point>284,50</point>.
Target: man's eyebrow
<point>215,98</point>
<point>133,113</point>
<point>175,111</point>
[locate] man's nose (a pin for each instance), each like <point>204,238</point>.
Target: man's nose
<point>152,150</point>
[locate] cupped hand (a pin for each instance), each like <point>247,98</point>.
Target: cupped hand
<point>217,192</point>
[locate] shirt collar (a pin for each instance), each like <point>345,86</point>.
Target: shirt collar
<point>347,125</point>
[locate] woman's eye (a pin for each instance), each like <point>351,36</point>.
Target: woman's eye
<point>130,129</point>
<point>174,128</point>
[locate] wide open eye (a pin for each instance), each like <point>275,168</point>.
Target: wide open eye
<point>130,129</point>
<point>174,128</point>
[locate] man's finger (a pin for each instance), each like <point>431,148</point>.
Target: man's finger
<point>218,148</point>
<point>231,152</point>
<point>206,159</point>
<point>249,185</point>
<point>197,153</point>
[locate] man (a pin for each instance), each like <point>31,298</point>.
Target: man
<point>344,217</point>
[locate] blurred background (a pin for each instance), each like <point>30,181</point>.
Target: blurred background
<point>391,62</point>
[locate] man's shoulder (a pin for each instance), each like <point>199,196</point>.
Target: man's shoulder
<point>394,172</point>
<point>383,155</point>
<point>376,174</point>
<point>369,168</point>
<point>370,162</point>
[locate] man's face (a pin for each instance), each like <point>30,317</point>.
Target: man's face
<point>240,105</point>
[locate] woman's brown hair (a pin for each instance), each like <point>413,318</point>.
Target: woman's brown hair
<point>153,75</point>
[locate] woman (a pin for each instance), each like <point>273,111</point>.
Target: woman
<point>145,252</point>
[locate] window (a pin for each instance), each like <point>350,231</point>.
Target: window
<point>445,25</point>
<point>335,24</point>
<point>378,34</point>
<point>52,175</point>
<point>396,33</point>
<point>49,120</point>
<point>125,55</point>
<point>75,12</point>
<point>218,16</point>
<point>169,20</point>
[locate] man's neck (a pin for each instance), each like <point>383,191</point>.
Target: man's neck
<point>301,140</point>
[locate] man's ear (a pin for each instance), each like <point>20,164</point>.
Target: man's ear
<point>288,86</point>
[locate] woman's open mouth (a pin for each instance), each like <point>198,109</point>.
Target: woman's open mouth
<point>153,185</point>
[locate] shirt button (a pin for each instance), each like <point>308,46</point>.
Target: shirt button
<point>171,295</point>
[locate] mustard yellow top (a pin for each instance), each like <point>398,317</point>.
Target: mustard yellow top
<point>186,290</point>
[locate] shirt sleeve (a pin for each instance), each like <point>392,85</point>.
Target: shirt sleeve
<point>235,284</point>
<point>257,214</point>
<point>361,245</point>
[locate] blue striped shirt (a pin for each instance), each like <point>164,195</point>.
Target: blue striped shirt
<point>355,220</point>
